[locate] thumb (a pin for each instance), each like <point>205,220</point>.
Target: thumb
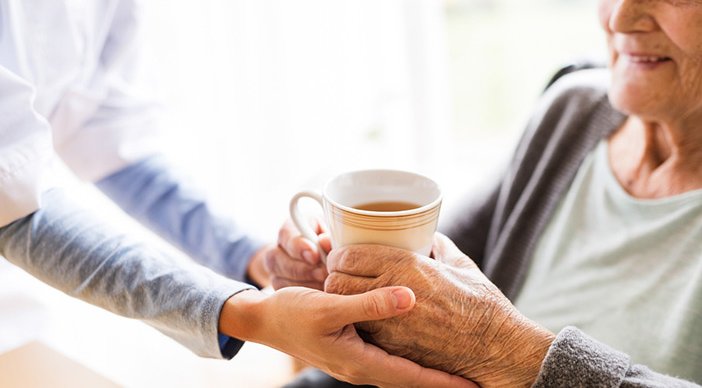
<point>445,251</point>
<point>381,303</point>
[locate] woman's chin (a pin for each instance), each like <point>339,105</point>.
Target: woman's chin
<point>634,103</point>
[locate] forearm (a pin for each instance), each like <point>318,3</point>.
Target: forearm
<point>70,249</point>
<point>575,359</point>
<point>152,192</point>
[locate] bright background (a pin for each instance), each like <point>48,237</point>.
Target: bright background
<point>269,96</point>
<point>265,97</point>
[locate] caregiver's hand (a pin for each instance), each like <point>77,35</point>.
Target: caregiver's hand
<point>461,323</point>
<point>318,329</point>
<point>296,260</point>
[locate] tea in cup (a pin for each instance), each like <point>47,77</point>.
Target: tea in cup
<point>386,207</point>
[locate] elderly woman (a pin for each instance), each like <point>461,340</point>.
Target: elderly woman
<point>584,263</point>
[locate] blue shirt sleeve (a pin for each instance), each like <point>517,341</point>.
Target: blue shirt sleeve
<point>229,346</point>
<point>152,192</point>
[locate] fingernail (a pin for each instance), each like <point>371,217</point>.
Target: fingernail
<point>402,299</point>
<point>307,255</point>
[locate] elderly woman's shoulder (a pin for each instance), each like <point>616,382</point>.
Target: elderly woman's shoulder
<point>578,87</point>
<point>572,98</point>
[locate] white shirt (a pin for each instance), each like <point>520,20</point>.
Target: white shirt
<point>69,76</point>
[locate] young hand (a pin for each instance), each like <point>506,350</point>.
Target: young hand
<point>318,328</point>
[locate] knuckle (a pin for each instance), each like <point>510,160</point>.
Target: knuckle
<point>334,258</point>
<point>299,272</point>
<point>298,245</point>
<point>294,247</point>
<point>332,283</point>
<point>350,258</point>
<point>342,284</point>
<point>375,306</point>
<point>418,377</point>
<point>371,258</point>
<point>399,257</point>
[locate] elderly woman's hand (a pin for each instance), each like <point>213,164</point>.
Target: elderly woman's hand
<point>461,322</point>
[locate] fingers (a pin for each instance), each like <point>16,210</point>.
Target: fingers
<point>368,260</point>
<point>393,371</point>
<point>373,305</point>
<point>277,283</point>
<point>281,265</point>
<point>296,246</point>
<point>445,251</point>
<point>344,284</point>
<point>325,242</point>
<point>296,260</point>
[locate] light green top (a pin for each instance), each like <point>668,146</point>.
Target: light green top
<point>624,270</point>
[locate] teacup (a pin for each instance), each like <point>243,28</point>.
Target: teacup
<point>386,207</point>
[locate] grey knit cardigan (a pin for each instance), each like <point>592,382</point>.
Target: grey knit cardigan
<point>500,229</point>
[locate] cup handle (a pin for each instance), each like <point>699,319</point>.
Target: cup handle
<point>301,223</point>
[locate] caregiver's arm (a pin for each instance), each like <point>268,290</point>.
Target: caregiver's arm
<point>167,202</point>
<point>71,249</point>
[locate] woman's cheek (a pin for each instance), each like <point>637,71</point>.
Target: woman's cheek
<point>604,11</point>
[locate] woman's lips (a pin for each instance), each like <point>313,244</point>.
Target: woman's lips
<point>645,61</point>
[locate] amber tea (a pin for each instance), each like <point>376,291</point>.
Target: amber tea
<point>387,206</point>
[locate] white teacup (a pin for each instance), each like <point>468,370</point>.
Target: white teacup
<point>386,207</point>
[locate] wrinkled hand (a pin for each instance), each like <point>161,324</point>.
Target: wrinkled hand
<point>296,260</point>
<point>461,324</point>
<point>317,328</point>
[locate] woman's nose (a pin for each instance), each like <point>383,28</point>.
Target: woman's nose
<point>628,16</point>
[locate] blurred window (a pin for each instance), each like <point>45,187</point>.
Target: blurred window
<point>501,54</point>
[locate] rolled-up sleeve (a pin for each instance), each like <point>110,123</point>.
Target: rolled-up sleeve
<point>73,250</point>
<point>25,149</point>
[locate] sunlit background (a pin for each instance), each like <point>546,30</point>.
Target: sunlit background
<point>266,97</point>
<point>262,98</point>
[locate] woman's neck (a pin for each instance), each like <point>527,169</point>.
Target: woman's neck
<point>654,160</point>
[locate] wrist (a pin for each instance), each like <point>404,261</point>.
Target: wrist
<point>531,344</point>
<point>256,270</point>
<point>241,315</point>
<point>514,355</point>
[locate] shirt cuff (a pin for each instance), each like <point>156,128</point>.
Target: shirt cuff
<point>229,346</point>
<point>21,189</point>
